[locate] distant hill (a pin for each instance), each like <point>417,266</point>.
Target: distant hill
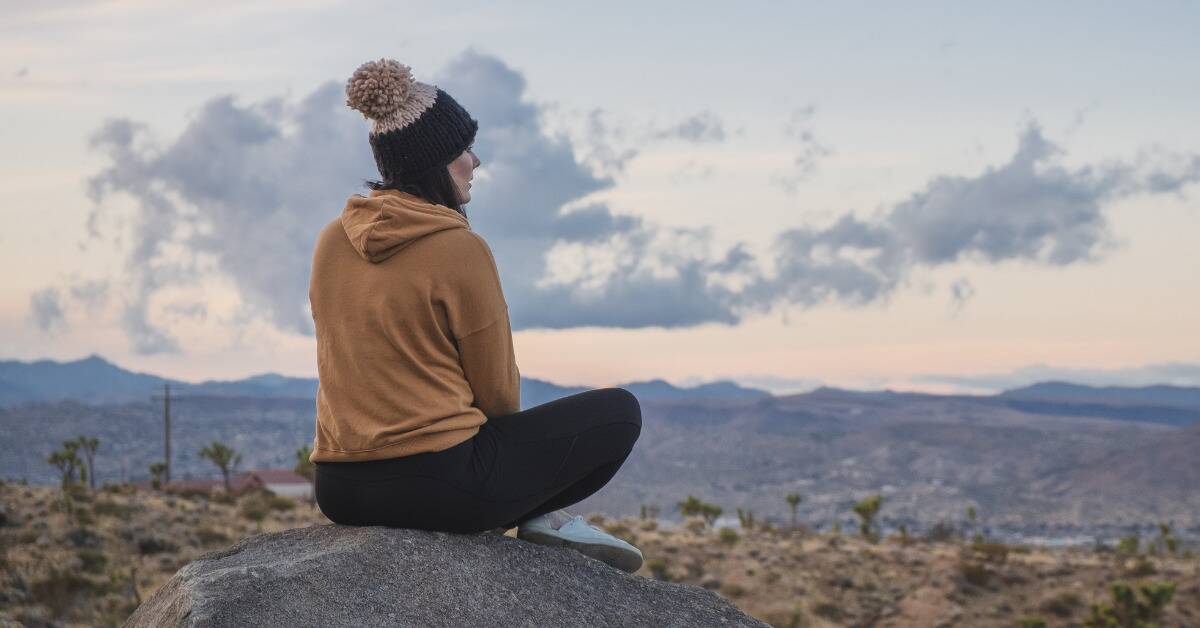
<point>96,380</point>
<point>1181,396</point>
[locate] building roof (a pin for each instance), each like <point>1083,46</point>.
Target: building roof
<point>278,476</point>
<point>239,482</point>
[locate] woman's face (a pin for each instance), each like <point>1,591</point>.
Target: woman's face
<point>462,170</point>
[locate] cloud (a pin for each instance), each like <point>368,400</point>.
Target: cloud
<point>1029,210</point>
<point>798,127</point>
<point>93,294</point>
<point>244,189</point>
<point>45,306</point>
<point>701,127</point>
<point>961,291</point>
<point>1170,373</point>
<point>601,137</point>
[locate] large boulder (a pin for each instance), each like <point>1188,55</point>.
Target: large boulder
<point>333,575</point>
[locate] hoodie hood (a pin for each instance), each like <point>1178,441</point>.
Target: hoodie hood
<point>382,224</point>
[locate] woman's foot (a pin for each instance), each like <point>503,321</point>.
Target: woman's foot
<point>564,529</point>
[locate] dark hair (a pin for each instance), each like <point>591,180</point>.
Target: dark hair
<point>437,187</point>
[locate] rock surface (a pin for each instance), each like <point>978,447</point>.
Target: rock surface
<point>333,575</point>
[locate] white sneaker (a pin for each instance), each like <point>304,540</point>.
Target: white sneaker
<point>578,534</point>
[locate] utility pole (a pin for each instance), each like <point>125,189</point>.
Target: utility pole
<point>166,398</point>
<point>166,432</point>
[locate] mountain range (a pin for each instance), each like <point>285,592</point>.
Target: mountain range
<point>96,380</point>
<point>1054,456</point>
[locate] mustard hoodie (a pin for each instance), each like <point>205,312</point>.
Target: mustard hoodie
<point>414,347</point>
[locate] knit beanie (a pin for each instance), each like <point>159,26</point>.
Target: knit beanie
<point>415,127</point>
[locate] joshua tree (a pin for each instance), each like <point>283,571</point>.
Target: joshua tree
<point>89,446</point>
<point>693,506</point>
<point>157,470</point>
<point>67,461</point>
<point>1127,610</point>
<point>1167,544</point>
<point>866,510</point>
<point>746,518</point>
<point>690,506</point>
<point>225,459</point>
<point>971,517</point>
<point>304,468</point>
<point>793,500</point>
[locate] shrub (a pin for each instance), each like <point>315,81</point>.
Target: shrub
<point>93,560</point>
<point>106,507</point>
<point>254,509</point>
<point>208,536</point>
<point>974,573</point>
<point>1062,604</point>
<point>1142,567</point>
<point>1127,610</point>
<point>991,552</point>
<point>60,591</point>
<point>618,529</point>
<point>734,590</point>
<point>191,493</point>
<point>829,611</point>
<point>658,569</point>
<point>784,619</point>
<point>1033,622</point>
<point>84,517</point>
<point>82,537</point>
<point>1128,546</point>
<point>695,525</point>
<point>281,503</point>
<point>155,545</point>
<point>729,536</point>
<point>222,497</point>
<point>941,532</point>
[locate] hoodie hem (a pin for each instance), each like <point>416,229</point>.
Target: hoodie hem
<point>424,443</point>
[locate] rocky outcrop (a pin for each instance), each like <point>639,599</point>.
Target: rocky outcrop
<point>332,575</point>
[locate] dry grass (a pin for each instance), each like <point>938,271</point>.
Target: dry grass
<point>93,572</point>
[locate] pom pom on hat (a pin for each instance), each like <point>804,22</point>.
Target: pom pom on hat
<point>378,88</point>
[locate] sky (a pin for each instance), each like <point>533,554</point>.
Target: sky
<point>934,196</point>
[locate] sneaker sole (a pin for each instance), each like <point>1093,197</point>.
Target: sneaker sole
<point>614,556</point>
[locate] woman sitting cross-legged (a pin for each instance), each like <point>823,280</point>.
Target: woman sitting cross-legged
<point>418,405</point>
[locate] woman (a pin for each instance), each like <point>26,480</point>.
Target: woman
<point>418,408</point>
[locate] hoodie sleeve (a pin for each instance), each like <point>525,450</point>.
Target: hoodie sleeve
<point>478,318</point>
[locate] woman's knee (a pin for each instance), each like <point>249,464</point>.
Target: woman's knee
<point>625,405</point>
<point>628,411</point>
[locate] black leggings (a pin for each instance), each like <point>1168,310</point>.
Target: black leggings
<point>517,467</point>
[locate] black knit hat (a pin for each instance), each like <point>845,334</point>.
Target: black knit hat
<point>415,127</point>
